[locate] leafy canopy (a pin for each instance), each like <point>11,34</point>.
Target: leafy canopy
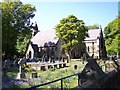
<point>112,36</point>
<point>15,25</point>
<point>95,26</point>
<point>71,31</point>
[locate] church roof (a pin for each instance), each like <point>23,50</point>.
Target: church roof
<point>49,36</point>
<point>44,37</point>
<point>93,34</point>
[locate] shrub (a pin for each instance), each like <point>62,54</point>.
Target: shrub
<point>27,68</point>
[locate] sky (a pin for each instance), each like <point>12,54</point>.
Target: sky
<point>49,14</point>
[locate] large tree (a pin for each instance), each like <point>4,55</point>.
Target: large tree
<point>72,32</point>
<point>15,26</point>
<point>112,36</point>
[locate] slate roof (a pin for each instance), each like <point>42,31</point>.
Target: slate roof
<point>93,34</point>
<point>49,36</point>
<point>44,37</point>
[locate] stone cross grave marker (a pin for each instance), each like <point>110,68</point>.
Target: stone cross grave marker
<point>21,74</point>
<point>20,62</point>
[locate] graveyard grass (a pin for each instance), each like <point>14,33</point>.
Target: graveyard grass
<point>53,74</point>
<point>12,73</point>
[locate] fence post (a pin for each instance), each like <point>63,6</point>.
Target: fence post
<point>61,84</point>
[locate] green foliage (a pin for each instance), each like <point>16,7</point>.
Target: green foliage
<point>71,31</point>
<point>22,42</point>
<point>51,75</point>
<point>27,68</point>
<point>12,73</point>
<point>93,26</point>
<point>15,25</point>
<point>112,36</point>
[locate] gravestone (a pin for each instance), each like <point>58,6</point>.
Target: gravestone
<point>34,75</point>
<point>92,71</point>
<point>75,67</point>
<point>67,57</point>
<point>21,73</point>
<point>83,58</point>
<point>113,64</point>
<point>6,67</point>
<point>15,63</point>
<point>7,63</point>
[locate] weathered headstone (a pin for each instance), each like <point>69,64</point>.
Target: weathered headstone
<point>7,63</point>
<point>67,57</point>
<point>75,67</point>
<point>15,62</point>
<point>34,75</point>
<point>115,62</point>
<point>21,73</point>
<point>83,58</point>
<point>60,59</point>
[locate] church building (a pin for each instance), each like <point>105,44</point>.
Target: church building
<point>44,43</point>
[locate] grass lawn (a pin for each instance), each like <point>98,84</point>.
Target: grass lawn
<point>12,73</point>
<point>51,74</point>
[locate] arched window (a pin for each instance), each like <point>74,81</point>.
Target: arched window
<point>88,49</point>
<point>29,54</point>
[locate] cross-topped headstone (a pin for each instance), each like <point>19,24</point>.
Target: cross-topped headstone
<point>21,74</point>
<point>21,62</point>
<point>20,65</point>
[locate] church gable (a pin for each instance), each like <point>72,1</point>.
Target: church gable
<point>93,34</point>
<point>44,37</point>
<point>30,51</point>
<point>95,43</point>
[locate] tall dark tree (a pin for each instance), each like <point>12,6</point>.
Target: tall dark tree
<point>15,25</point>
